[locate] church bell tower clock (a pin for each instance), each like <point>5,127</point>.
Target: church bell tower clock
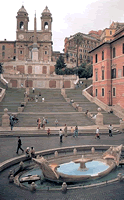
<point>22,23</point>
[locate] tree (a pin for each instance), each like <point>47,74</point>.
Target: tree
<point>78,39</point>
<point>60,65</point>
<point>1,68</point>
<point>89,69</point>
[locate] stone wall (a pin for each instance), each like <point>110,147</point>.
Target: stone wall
<point>40,80</point>
<point>118,112</point>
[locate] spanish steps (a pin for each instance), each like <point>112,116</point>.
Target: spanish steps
<point>54,107</point>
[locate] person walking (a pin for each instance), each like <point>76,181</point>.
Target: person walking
<point>33,89</point>
<point>97,133</point>
<point>56,122</point>
<point>110,130</point>
<point>39,123</point>
<point>11,123</point>
<point>19,145</point>
<point>72,130</point>
<point>65,130</point>
<point>44,122</point>
<point>48,131</point>
<point>60,135</point>
<point>76,131</point>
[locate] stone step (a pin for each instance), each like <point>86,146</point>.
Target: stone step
<point>43,133</point>
<point>70,119</point>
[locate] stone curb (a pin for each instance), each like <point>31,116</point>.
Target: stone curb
<point>16,160</point>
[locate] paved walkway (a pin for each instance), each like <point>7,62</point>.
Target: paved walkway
<point>81,128</point>
<point>11,192</point>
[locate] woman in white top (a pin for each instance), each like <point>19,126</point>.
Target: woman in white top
<point>97,133</point>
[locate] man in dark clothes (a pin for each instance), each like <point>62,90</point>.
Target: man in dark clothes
<point>19,145</point>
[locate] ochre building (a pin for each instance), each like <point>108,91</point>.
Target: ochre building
<point>108,70</point>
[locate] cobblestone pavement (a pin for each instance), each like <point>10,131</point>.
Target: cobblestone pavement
<point>11,192</point>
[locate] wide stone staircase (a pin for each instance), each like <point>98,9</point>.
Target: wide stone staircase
<point>54,107</point>
<point>76,95</point>
<point>11,101</point>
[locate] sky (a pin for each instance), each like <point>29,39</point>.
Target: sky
<point>69,17</point>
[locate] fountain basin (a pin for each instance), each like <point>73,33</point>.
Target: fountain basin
<point>69,172</point>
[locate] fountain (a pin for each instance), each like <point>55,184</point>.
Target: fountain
<point>81,169</point>
<point>82,162</point>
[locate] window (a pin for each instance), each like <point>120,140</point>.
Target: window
<point>123,48</point>
<point>88,58</point>
<point>114,92</point>
<point>3,47</point>
<point>102,55</point>
<point>45,52</point>
<point>102,74</point>
<point>102,92</point>
<point>114,54</point>
<point>46,25</point>
<point>21,25</point>
<point>110,32</point>
<point>80,56</point>
<point>14,50</point>
<point>96,60</point>
<point>96,76</point>
<point>20,52</point>
<point>96,92</point>
<point>3,54</point>
<point>114,73</point>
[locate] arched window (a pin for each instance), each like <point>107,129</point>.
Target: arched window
<point>46,25</point>
<point>3,47</point>
<point>3,54</point>
<point>21,25</point>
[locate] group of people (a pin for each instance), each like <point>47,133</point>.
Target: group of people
<point>110,127</point>
<point>63,132</point>
<point>30,152</point>
<point>42,123</point>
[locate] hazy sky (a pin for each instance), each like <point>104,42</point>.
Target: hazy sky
<point>69,17</point>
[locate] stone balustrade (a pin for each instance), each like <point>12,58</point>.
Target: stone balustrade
<point>5,118</point>
<point>116,111</point>
<point>2,94</point>
<point>3,80</point>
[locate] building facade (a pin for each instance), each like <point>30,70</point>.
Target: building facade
<point>70,49</point>
<point>108,70</point>
<point>31,54</point>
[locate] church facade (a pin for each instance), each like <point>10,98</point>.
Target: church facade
<point>30,58</point>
